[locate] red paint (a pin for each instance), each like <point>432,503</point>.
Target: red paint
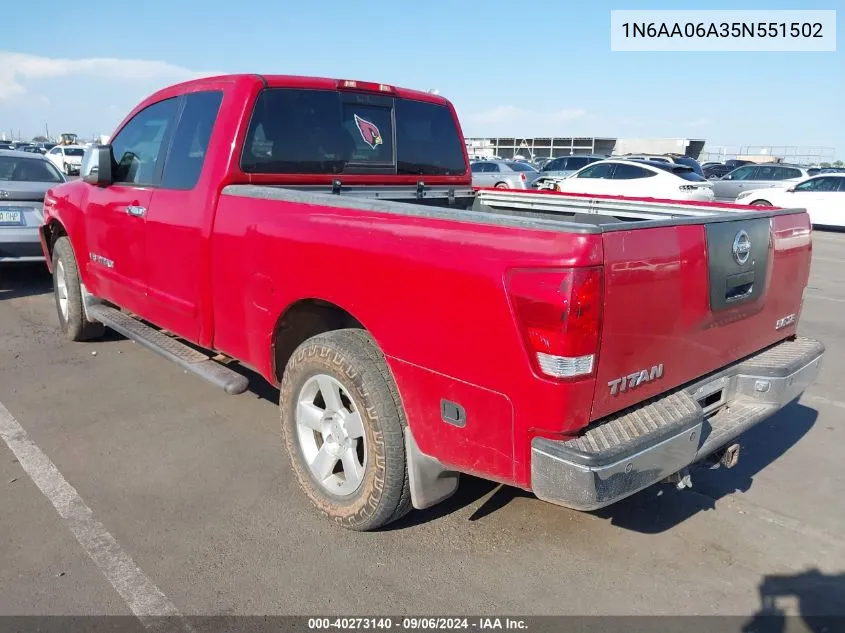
<point>222,270</point>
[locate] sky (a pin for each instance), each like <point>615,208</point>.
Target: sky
<point>541,68</point>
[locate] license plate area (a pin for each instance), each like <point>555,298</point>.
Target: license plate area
<point>712,396</point>
<point>11,216</point>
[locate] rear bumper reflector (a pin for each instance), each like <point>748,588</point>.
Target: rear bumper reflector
<point>635,448</point>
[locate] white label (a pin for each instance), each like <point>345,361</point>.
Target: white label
<point>723,30</point>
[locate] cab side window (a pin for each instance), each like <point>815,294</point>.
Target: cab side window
<point>140,144</point>
<point>190,140</point>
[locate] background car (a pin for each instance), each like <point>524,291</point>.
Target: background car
<point>67,158</point>
<point>503,174</point>
<point>24,179</point>
<point>714,171</point>
<point>675,159</point>
<point>753,176</point>
<point>638,178</point>
<point>565,165</point>
<point>823,196</point>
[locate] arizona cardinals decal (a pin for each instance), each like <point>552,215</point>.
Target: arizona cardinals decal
<point>369,132</point>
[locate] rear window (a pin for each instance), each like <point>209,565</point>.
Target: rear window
<point>681,171</point>
<point>16,169</point>
<point>518,166</point>
<point>74,151</point>
<point>690,162</point>
<point>296,131</point>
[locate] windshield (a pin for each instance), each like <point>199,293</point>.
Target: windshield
<point>577,162</point>
<point>74,151</point>
<point>298,131</point>
<point>16,169</point>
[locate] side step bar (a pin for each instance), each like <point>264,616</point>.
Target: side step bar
<point>172,349</point>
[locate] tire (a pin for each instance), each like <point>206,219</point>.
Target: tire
<point>67,292</point>
<point>760,203</point>
<point>350,360</point>
<point>501,185</point>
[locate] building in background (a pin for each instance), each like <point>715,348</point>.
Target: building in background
<point>553,147</point>
<point>793,154</point>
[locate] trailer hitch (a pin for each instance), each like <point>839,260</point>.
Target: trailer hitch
<point>682,479</point>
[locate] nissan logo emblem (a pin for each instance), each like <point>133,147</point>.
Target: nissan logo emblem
<point>741,248</point>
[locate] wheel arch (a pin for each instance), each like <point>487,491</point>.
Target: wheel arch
<point>300,321</point>
<point>51,232</point>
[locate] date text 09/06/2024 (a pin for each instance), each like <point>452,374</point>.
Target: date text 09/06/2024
<point>416,623</point>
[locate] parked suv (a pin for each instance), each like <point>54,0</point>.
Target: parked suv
<point>747,177</point>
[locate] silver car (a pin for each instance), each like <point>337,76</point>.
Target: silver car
<point>503,174</point>
<point>565,165</point>
<point>24,179</point>
<point>748,177</point>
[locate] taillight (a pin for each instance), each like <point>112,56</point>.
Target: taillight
<point>522,176</point>
<point>559,313</point>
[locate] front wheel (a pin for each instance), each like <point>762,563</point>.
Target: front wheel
<point>343,428</point>
<point>760,203</point>
<point>67,290</point>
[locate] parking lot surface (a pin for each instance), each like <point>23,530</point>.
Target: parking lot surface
<point>194,489</point>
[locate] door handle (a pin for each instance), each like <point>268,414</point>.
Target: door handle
<point>136,211</point>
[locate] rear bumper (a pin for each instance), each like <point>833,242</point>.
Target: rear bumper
<point>20,245</point>
<point>641,446</point>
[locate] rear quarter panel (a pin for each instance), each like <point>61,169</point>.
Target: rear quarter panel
<point>431,293</point>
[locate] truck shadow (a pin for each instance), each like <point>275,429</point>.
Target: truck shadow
<point>649,512</point>
<point>820,602</point>
<point>658,508</point>
<point>24,280</point>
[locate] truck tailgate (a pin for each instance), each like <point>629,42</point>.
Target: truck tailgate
<point>685,300</point>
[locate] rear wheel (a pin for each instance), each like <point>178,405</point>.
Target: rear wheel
<point>343,427</point>
<point>761,203</point>
<point>67,290</point>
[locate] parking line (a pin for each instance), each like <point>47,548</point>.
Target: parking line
<point>144,599</point>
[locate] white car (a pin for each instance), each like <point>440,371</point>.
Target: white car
<point>636,178</point>
<point>68,158</point>
<point>823,196</point>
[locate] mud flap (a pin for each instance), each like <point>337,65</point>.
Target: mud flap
<point>430,481</point>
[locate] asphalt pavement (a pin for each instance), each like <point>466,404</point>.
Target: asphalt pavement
<point>189,490</point>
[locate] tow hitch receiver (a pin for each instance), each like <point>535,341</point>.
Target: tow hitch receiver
<point>682,479</point>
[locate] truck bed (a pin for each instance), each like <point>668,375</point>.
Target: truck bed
<point>667,274</point>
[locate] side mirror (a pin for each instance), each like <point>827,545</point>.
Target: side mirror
<point>97,166</point>
<point>790,190</point>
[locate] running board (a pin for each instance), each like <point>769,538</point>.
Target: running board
<point>172,349</point>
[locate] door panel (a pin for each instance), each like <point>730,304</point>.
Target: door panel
<point>116,239</point>
<point>179,219</point>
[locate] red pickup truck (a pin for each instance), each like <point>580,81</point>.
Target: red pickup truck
<point>325,234</point>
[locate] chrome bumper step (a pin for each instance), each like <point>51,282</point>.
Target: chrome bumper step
<point>635,448</point>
